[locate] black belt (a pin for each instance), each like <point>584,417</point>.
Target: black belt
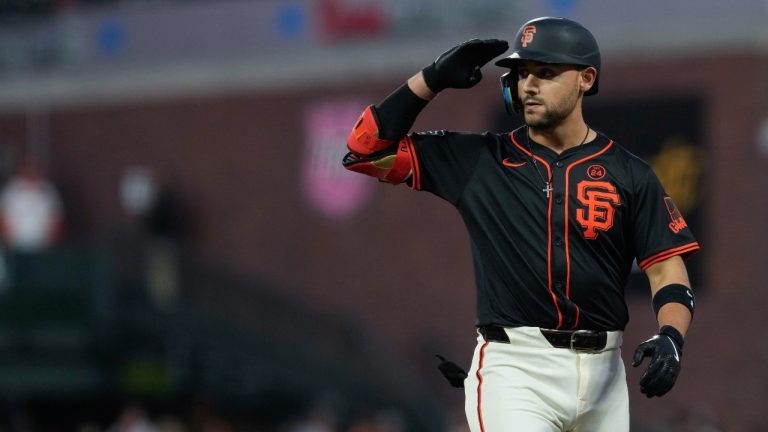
<point>577,340</point>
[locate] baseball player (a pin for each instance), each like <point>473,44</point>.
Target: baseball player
<point>556,212</point>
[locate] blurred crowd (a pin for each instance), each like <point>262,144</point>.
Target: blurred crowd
<point>134,418</point>
<point>14,9</point>
<point>138,415</point>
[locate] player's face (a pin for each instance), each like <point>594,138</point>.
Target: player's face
<point>549,92</point>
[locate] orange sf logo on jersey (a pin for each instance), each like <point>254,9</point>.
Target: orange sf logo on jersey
<point>599,198</point>
<point>528,33</point>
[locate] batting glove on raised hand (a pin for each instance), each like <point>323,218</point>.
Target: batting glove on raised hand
<point>665,350</point>
<point>459,67</point>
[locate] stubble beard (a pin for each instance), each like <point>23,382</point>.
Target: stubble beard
<point>553,115</point>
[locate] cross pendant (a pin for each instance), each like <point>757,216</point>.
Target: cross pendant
<point>547,189</point>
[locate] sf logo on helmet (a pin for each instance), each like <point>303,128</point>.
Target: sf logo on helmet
<point>528,33</point>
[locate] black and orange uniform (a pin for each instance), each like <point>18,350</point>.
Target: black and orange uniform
<point>553,236</point>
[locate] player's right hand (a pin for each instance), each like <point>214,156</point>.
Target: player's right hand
<point>459,67</point>
<point>452,372</point>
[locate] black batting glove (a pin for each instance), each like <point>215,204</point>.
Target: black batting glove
<point>666,351</point>
<point>452,372</point>
<point>459,67</point>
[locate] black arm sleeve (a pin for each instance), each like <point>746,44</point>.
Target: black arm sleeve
<point>397,112</point>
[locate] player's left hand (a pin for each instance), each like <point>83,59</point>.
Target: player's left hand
<point>665,350</point>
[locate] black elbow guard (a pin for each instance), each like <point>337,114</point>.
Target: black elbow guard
<point>393,165</point>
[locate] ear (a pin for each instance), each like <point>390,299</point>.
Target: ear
<point>588,78</point>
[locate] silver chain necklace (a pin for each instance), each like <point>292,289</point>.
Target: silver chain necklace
<point>547,182</point>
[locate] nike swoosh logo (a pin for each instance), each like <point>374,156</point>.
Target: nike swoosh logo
<point>506,162</point>
<point>677,357</point>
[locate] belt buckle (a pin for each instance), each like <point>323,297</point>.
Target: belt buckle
<point>573,337</point>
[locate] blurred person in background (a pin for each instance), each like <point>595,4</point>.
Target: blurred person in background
<point>164,223</point>
<point>556,212</point>
<point>30,210</point>
<point>133,418</point>
<point>31,217</point>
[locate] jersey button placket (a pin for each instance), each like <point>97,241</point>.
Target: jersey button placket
<point>558,196</point>
<point>558,235</point>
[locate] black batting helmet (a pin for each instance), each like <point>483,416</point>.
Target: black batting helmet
<point>549,40</point>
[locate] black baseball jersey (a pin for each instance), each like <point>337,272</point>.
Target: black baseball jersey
<point>559,261</point>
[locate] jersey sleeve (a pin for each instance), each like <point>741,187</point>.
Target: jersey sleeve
<point>444,162</point>
<point>660,232</point>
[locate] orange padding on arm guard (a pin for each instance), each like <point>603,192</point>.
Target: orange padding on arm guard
<point>392,167</point>
<point>364,139</point>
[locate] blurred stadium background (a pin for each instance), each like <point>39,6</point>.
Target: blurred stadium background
<point>182,250</point>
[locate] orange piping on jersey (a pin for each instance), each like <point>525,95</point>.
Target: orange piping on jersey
<point>525,150</point>
<point>669,253</point>
<point>416,180</point>
<point>549,233</point>
<point>506,162</point>
<point>416,163</point>
<point>576,323</point>
<point>567,251</point>
<point>479,387</point>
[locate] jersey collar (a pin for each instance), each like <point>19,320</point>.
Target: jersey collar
<point>590,147</point>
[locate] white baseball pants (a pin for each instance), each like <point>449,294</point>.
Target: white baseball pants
<point>530,386</point>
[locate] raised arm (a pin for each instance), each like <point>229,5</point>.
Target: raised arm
<point>419,87</point>
<point>378,145</point>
